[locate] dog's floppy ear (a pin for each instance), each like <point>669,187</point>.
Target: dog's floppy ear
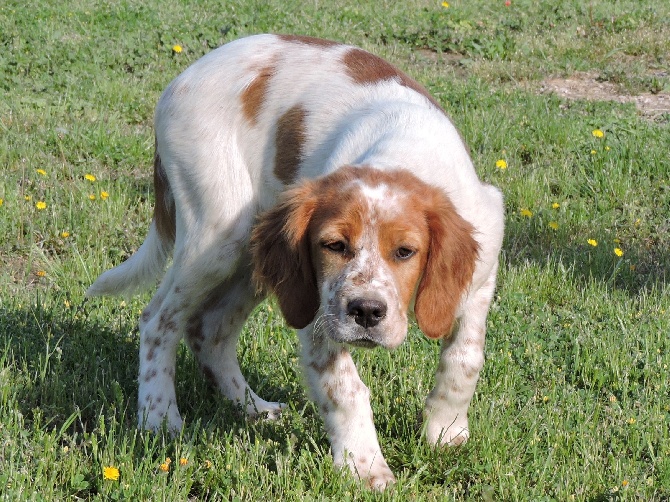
<point>449,267</point>
<point>281,255</point>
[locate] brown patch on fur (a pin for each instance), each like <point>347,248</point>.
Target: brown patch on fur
<point>365,68</point>
<point>254,95</point>
<point>150,375</point>
<point>450,265</point>
<point>328,366</point>
<point>166,321</point>
<point>164,209</point>
<point>209,374</point>
<point>290,137</point>
<point>469,371</point>
<point>409,232</point>
<point>316,42</point>
<point>330,393</point>
<point>194,329</point>
<point>281,255</point>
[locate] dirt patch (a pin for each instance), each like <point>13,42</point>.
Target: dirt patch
<point>585,86</point>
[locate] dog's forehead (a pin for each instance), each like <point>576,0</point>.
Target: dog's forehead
<point>380,198</point>
<point>371,213</point>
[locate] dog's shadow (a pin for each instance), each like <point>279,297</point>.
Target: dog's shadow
<point>64,362</point>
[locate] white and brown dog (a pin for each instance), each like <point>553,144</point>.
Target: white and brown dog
<point>320,173</point>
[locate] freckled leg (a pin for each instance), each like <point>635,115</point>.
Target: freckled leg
<point>344,403</point>
<point>162,325</point>
<point>159,338</point>
<point>212,334</point>
<point>461,359</point>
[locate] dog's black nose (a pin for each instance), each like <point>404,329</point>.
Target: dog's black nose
<point>367,313</point>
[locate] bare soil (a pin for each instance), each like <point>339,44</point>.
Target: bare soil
<point>585,86</point>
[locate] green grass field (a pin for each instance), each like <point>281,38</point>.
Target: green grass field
<point>574,400</point>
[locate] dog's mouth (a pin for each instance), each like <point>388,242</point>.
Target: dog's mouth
<point>364,343</point>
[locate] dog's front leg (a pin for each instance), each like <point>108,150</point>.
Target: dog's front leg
<point>344,403</point>
<point>461,360</point>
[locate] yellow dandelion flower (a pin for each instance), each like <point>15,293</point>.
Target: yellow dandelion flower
<point>177,49</point>
<point>165,467</point>
<point>2,201</point>
<point>555,205</point>
<point>110,472</point>
<point>183,461</point>
<point>445,5</point>
<point>91,197</point>
<point>553,225</point>
<point>607,148</point>
<point>65,234</point>
<point>592,242</point>
<point>593,152</point>
<point>41,171</point>
<point>526,213</point>
<point>598,133</point>
<point>624,483</point>
<point>41,205</point>
<point>545,399</point>
<point>41,273</point>
<point>501,164</point>
<point>631,420</point>
<point>618,252</point>
<point>104,195</point>
<point>89,177</point>
<point>28,197</point>
<point>207,464</point>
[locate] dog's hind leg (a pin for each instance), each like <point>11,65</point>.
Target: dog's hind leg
<point>159,338</point>
<point>212,333</point>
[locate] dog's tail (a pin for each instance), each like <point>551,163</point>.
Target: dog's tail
<point>147,264</point>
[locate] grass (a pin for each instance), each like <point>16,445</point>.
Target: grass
<point>574,399</point>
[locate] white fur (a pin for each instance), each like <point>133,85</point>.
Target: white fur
<point>220,170</point>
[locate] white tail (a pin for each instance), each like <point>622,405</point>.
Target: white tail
<point>138,272</point>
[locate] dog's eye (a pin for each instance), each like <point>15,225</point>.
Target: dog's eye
<point>404,253</point>
<point>336,246</point>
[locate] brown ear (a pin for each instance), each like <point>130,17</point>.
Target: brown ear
<point>449,268</point>
<point>281,256</point>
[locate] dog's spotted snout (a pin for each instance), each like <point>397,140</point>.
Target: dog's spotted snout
<point>367,312</point>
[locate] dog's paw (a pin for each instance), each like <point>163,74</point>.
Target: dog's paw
<point>264,410</point>
<point>155,420</point>
<point>381,480</point>
<point>372,470</point>
<point>447,433</point>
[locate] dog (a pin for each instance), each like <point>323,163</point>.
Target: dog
<point>320,173</point>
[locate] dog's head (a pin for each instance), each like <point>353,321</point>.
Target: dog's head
<point>354,250</point>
